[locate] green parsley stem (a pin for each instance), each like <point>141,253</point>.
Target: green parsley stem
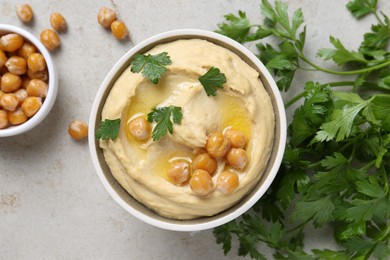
<point>367,166</point>
<point>345,146</point>
<point>307,69</point>
<point>339,84</point>
<point>385,179</point>
<point>378,18</point>
<point>298,227</point>
<point>368,86</point>
<point>313,165</point>
<point>353,154</point>
<point>384,234</point>
<point>351,72</point>
<point>294,99</point>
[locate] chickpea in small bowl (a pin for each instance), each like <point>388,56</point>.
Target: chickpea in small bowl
<point>28,81</point>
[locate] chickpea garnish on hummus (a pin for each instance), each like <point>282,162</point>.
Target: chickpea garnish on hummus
<point>187,130</point>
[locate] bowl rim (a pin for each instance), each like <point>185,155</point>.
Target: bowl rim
<point>52,85</point>
<point>151,42</point>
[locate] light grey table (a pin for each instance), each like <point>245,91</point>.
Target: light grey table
<point>52,204</point>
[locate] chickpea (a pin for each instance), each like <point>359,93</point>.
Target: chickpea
<point>227,182</point>
<point>37,88</point>
<point>57,21</point>
<point>1,95</point>
<point>106,16</point>
<point>21,94</point>
<point>42,75</point>
<point>25,81</point>
<point>78,130</point>
<point>11,42</point>
<point>178,172</point>
<point>204,162</point>
<point>198,150</point>
<point>139,128</point>
<point>36,62</point>
<point>31,105</point>
<point>16,65</point>
<point>236,138</point>
<point>3,58</point>
<point>26,50</point>
<point>9,101</point>
<point>16,117</point>
<point>3,119</point>
<point>119,30</point>
<point>10,82</point>
<point>201,183</point>
<point>237,158</point>
<point>217,145</point>
<point>24,12</point>
<point>50,39</point>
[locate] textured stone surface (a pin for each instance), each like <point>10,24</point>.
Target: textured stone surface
<point>52,204</point>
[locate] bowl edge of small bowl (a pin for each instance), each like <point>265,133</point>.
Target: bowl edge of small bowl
<point>52,86</point>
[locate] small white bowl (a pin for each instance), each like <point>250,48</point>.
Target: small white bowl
<point>138,210</point>
<point>52,84</point>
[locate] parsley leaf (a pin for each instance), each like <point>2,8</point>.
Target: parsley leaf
<point>282,63</point>
<point>359,245</point>
<point>342,119</point>
<point>319,210</point>
<point>237,27</point>
<point>362,210</point>
<point>292,183</point>
<point>212,80</point>
<point>108,129</point>
<point>278,19</point>
<point>378,111</point>
<point>360,8</point>
<point>164,116</point>
<point>307,118</point>
<point>336,160</point>
<point>223,235</point>
<point>377,39</point>
<point>350,230</point>
<point>341,55</point>
<point>152,66</point>
<point>370,188</point>
<point>329,254</point>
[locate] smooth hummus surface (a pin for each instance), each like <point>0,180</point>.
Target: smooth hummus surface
<point>242,104</point>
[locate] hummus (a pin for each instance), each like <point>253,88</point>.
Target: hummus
<point>242,104</point>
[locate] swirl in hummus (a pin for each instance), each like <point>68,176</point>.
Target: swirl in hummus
<point>243,104</point>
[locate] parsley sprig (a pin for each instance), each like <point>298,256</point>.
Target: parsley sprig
<point>212,80</point>
<point>336,165</point>
<point>152,66</point>
<point>165,117</point>
<point>108,129</point>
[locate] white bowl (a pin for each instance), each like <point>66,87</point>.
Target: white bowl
<point>124,199</point>
<point>52,84</point>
